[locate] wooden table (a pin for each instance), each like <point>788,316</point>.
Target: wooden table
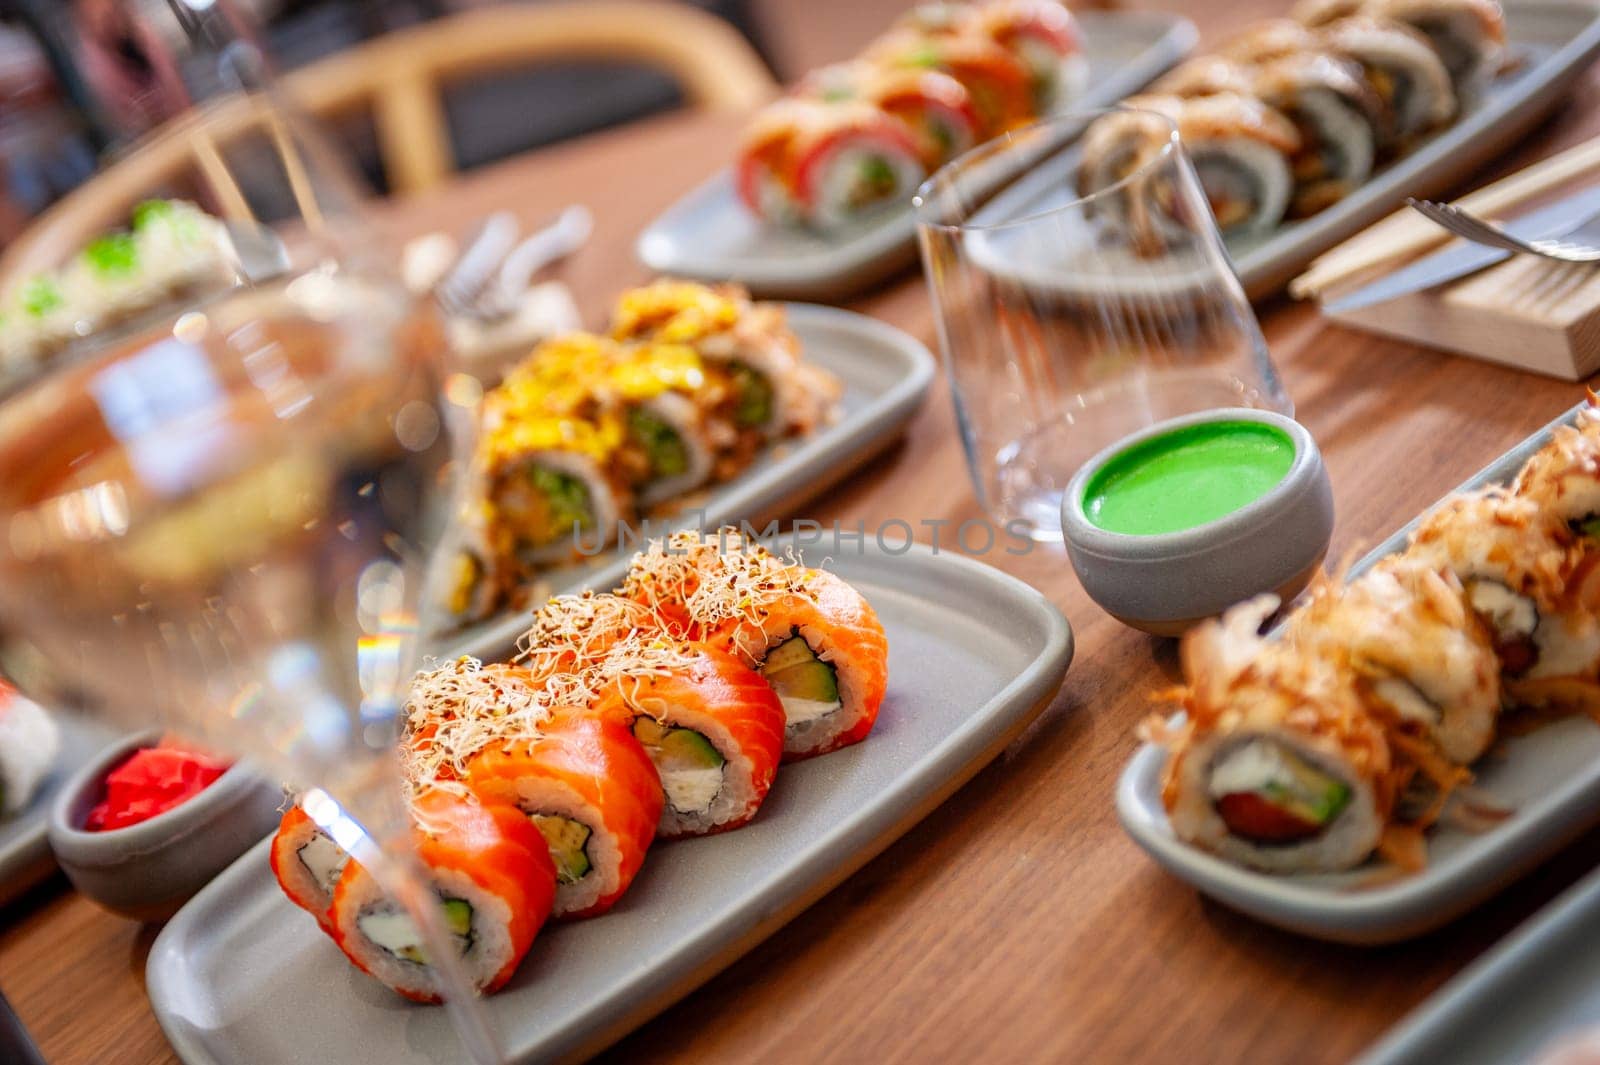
<point>1017,922</point>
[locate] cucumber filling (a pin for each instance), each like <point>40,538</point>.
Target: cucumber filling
<point>547,506</point>
<point>1265,793</point>
<point>393,929</point>
<point>875,180</point>
<point>324,860</point>
<point>691,768</point>
<point>569,845</point>
<point>661,443</point>
<point>753,405</point>
<point>807,686</point>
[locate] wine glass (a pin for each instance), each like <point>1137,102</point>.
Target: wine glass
<point>216,507</point>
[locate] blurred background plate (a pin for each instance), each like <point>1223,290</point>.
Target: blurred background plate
<point>25,857</point>
<point>709,235</point>
<point>1553,42</point>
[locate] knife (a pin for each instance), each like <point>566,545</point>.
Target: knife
<point>1556,220</point>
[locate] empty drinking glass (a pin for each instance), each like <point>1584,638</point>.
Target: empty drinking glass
<point>1071,316</point>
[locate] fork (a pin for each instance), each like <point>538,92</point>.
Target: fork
<point>1465,224</point>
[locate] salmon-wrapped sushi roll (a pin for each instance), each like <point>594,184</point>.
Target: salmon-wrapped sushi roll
<point>814,638</point>
<point>1563,477</point>
<point>713,728</point>
<point>1424,659</point>
<point>591,790</point>
<point>1044,37</point>
<point>826,164</point>
<point>1000,84</point>
<point>308,865</point>
<point>1278,766</point>
<point>1513,560</point>
<point>495,882</point>
<point>935,108</point>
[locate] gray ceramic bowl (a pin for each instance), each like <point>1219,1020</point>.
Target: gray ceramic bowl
<point>147,871</point>
<point>1167,582</point>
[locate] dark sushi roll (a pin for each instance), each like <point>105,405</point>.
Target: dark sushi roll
<point>1337,116</point>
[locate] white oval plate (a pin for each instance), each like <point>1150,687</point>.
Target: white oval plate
<point>1550,778</point>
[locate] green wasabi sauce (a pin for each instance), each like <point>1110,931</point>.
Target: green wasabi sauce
<point>1187,477</point>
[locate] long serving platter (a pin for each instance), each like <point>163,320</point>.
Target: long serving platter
<point>240,975</point>
<point>25,857</point>
<point>1552,43</point>
<point>710,235</point>
<point>886,375</point>
<point>1538,987</point>
<point>1549,778</point>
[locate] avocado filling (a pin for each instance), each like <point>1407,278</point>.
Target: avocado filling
<point>1266,793</point>
<point>546,505</point>
<point>1587,526</point>
<point>569,845</point>
<point>394,930</point>
<point>807,686</point>
<point>690,767</point>
<point>662,445</point>
<point>324,860</point>
<point>753,407</point>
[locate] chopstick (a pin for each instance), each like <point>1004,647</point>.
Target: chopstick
<point>16,1046</point>
<point>1405,233</point>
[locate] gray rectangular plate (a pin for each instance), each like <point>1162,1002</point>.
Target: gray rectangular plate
<point>1539,984</point>
<point>1549,777</point>
<point>240,975</point>
<point>886,375</point>
<point>1555,40</point>
<point>25,857</point>
<point>710,235</point>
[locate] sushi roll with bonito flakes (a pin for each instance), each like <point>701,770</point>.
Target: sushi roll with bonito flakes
<point>1277,764</point>
<point>1424,660</point>
<point>492,873</point>
<point>936,108</point>
<point>1514,559</point>
<point>712,726</point>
